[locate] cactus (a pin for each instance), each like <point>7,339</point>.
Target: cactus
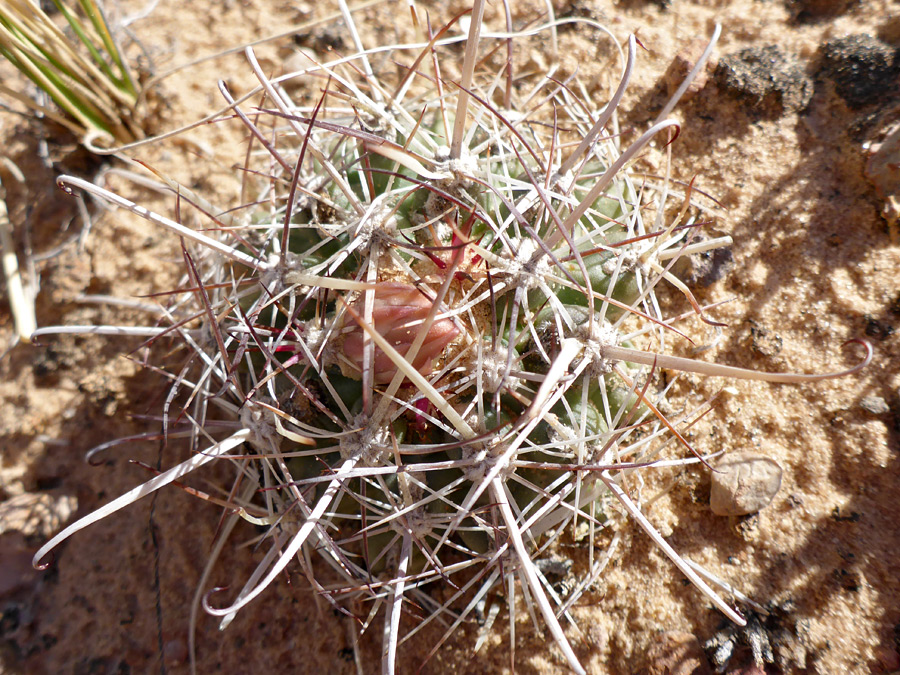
<point>439,336</point>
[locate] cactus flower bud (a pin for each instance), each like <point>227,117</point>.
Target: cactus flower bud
<point>397,315</point>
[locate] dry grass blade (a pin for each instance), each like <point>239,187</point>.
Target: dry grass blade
<point>21,298</point>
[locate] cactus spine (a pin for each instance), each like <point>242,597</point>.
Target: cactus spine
<point>428,335</point>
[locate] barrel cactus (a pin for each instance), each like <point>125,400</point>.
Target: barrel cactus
<point>434,330</point>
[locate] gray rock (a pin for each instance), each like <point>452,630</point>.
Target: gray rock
<point>743,483</point>
<point>875,405</point>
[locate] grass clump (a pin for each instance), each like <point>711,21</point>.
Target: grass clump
<point>82,70</point>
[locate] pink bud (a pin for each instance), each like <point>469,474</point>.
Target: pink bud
<point>397,315</point>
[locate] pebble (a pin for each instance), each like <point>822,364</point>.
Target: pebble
<point>743,483</point>
<point>704,269</point>
<point>681,66</point>
<point>875,405</point>
<point>175,652</point>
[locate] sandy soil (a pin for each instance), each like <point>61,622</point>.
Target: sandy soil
<point>812,265</point>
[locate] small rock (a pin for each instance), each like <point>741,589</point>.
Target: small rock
<point>743,483</point>
<point>175,652</point>
<point>681,66</point>
<point>863,68</point>
<point>558,573</point>
<point>676,653</point>
<point>323,40</point>
<point>879,330</point>
<point>770,80</point>
<point>703,269</point>
<point>764,342</point>
<point>875,405</point>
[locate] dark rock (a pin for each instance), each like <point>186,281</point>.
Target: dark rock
<point>878,329</point>
<point>323,40</point>
<point>764,342</point>
<point>766,79</point>
<point>704,269</point>
<point>863,69</point>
